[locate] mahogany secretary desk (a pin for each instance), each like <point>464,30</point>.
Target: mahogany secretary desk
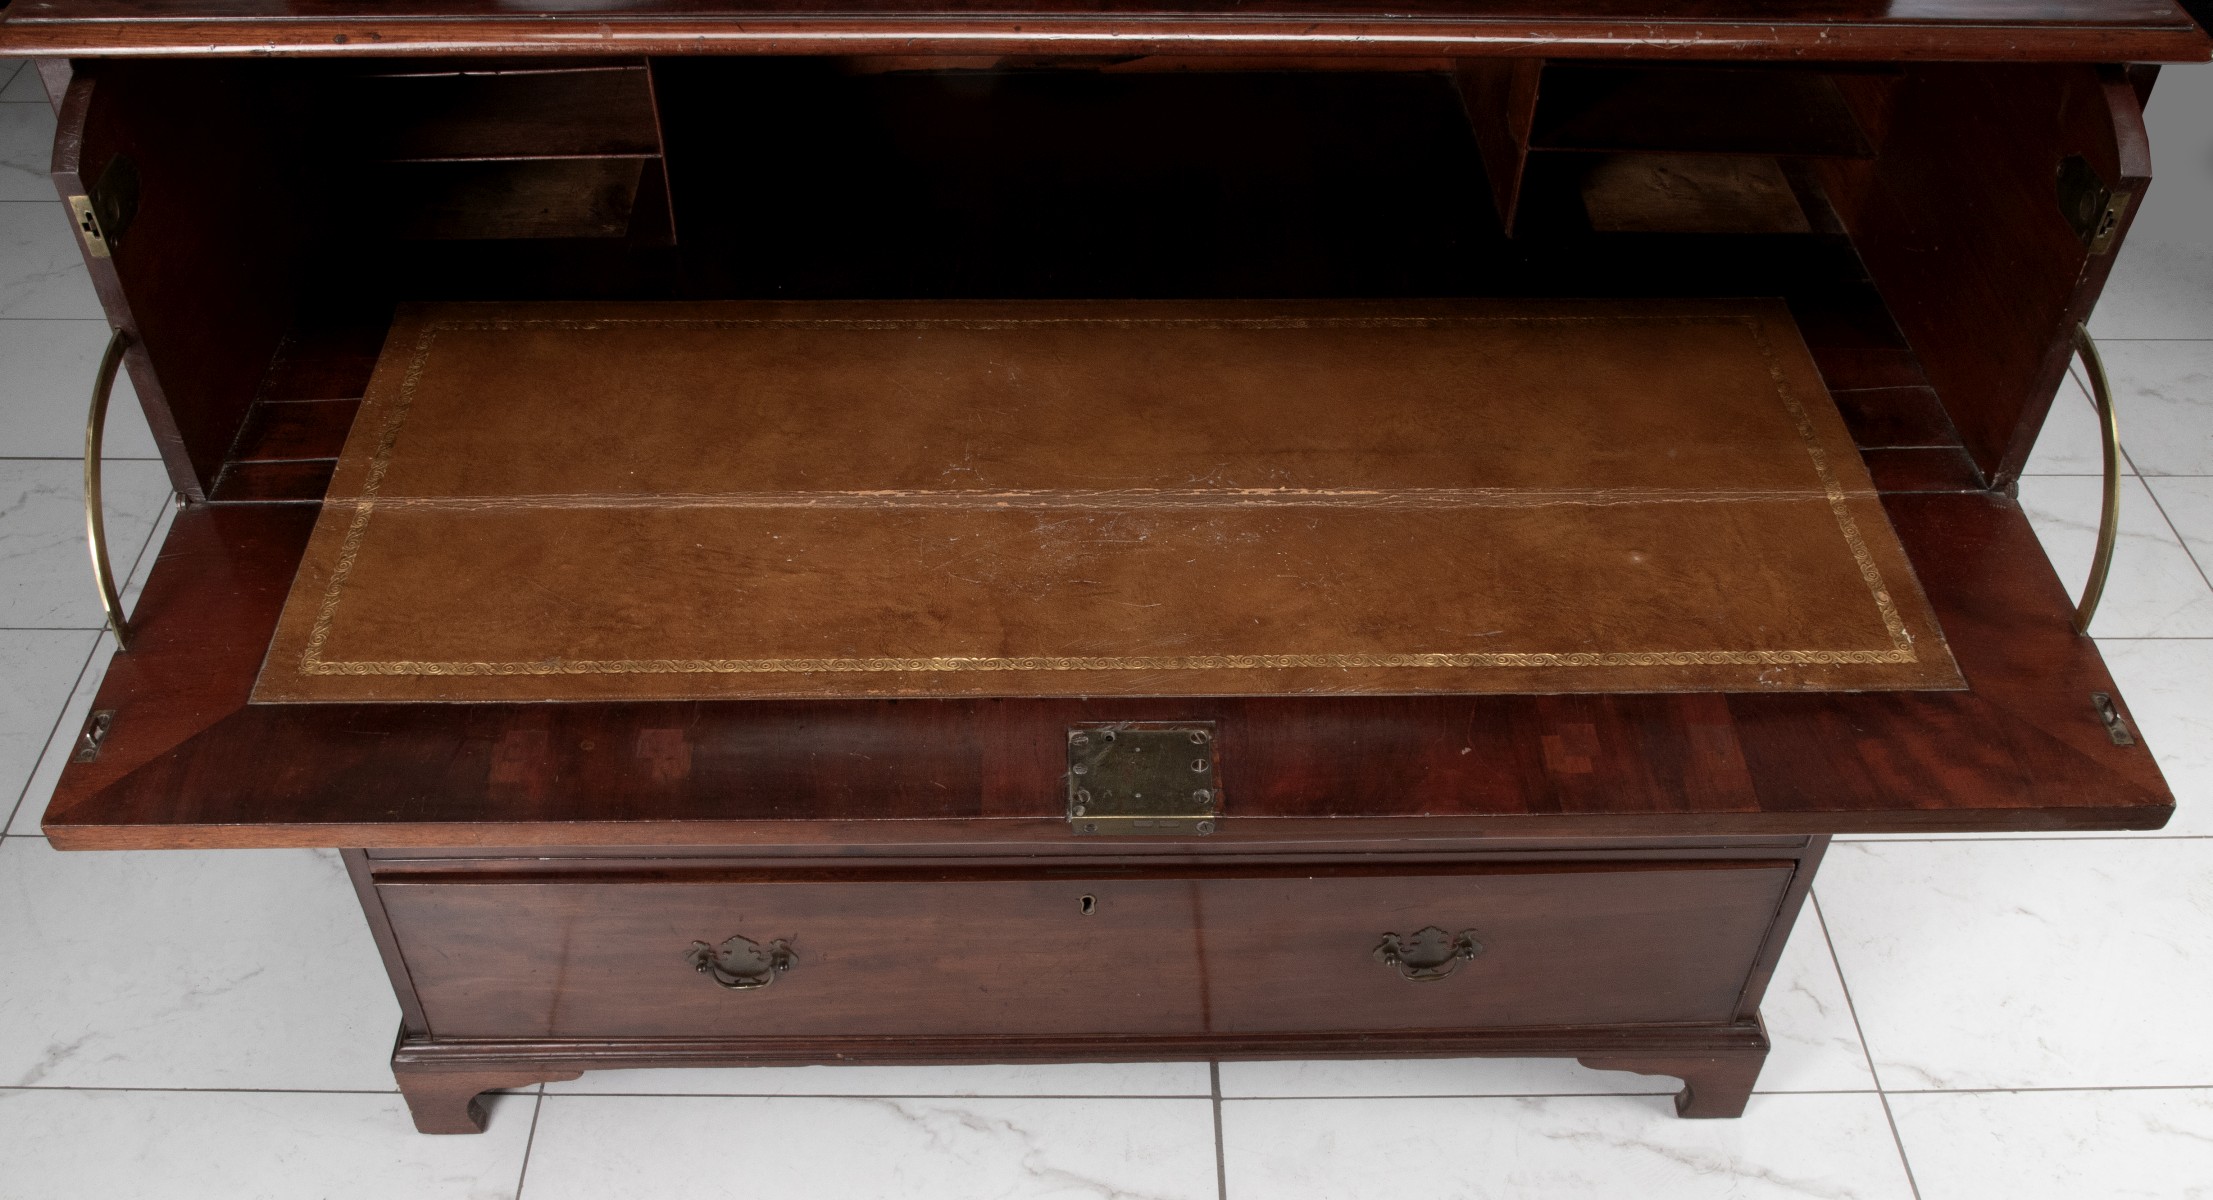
<point>1086,530</point>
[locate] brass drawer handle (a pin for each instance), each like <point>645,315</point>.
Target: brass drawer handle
<point>96,530</point>
<point>1428,955</point>
<point>2109,513</point>
<point>742,964</point>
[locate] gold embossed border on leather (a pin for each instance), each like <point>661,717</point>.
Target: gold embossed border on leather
<point>1899,646</point>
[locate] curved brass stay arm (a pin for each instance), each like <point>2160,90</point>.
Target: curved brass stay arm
<point>2109,515</point>
<point>96,533</point>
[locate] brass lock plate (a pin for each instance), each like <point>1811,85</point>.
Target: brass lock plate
<point>1148,778</point>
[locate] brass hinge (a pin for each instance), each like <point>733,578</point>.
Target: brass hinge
<point>93,736</point>
<point>88,226</point>
<point>1154,778</point>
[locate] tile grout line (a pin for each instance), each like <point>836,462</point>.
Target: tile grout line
<point>53,731</point>
<point>23,795</point>
<point>1221,1158</point>
<point>2180,540</point>
<point>1867,1051</point>
<point>539,1089</point>
<point>1977,839</point>
<point>530,1141</point>
<point>1087,1096</point>
<point>2007,1091</point>
<point>221,1091</point>
<point>877,1095</point>
<point>1866,1091</point>
<point>2158,505</point>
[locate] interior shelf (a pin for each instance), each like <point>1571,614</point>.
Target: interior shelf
<point>474,115</point>
<point>477,150</point>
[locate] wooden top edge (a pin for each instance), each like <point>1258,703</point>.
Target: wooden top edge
<point>1237,835</point>
<point>904,35</point>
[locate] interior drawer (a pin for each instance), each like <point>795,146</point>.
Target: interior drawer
<point>1560,945</point>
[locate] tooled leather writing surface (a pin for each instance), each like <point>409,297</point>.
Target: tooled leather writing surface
<point>1102,498</point>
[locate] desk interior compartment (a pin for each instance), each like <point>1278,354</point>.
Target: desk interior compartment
<point>260,319</point>
<point>464,150</point>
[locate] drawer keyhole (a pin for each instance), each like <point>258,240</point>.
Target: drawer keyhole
<point>1088,905</point>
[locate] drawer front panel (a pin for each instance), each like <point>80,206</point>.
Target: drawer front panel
<point>1577,947</point>
<point>524,959</point>
<point>1245,952</point>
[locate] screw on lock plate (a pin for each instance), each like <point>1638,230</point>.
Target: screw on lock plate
<point>1146,778</point>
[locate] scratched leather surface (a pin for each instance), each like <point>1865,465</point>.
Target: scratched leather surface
<point>598,501</point>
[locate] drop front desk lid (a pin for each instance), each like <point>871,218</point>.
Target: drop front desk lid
<point>837,500</point>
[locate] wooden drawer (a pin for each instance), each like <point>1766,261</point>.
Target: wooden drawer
<point>1583,945</point>
<point>1252,951</point>
<point>874,955</point>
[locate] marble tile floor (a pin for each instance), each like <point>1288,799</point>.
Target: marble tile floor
<point>1963,1018</point>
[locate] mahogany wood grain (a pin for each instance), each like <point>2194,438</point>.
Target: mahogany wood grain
<point>1616,947</point>
<point>202,275</point>
<point>1142,64</point>
<point>597,112</point>
<point>283,430</point>
<point>330,360</point>
<point>433,1074</point>
<point>1373,855</point>
<point>1896,416</point>
<point>73,175</point>
<point>607,958</point>
<point>54,75</point>
<point>1617,107</point>
<point>359,872</point>
<point>2049,30</point>
<point>1714,1085</point>
<point>1559,941</point>
<point>294,481</point>
<point>1807,864</point>
<point>599,955</point>
<point>443,1100</point>
<point>1501,99</point>
<point>1959,223</point>
<point>1922,469</point>
<point>184,763</point>
<point>1852,367</point>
